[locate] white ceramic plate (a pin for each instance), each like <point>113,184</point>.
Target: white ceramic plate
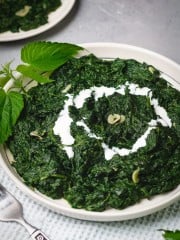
<point>54,18</point>
<point>145,207</point>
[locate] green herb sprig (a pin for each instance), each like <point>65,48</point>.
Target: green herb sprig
<point>171,235</point>
<point>39,59</point>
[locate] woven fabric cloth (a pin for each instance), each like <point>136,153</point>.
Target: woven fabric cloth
<point>59,227</point>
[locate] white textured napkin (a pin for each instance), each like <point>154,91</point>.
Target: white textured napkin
<point>59,227</point>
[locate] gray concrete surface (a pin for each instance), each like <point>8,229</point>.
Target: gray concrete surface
<point>152,24</point>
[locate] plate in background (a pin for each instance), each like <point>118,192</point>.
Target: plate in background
<point>54,18</point>
<point>144,207</point>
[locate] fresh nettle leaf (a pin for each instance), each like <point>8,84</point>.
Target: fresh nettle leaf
<point>4,80</point>
<point>41,59</point>
<point>47,56</point>
<point>11,105</point>
<point>171,235</point>
<point>29,71</point>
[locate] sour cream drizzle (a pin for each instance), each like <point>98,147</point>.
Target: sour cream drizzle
<point>63,124</point>
<point>62,127</point>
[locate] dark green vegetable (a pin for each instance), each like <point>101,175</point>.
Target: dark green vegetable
<point>171,235</point>
<point>88,180</point>
<point>40,59</point>
<point>11,104</point>
<point>120,134</point>
<point>25,14</point>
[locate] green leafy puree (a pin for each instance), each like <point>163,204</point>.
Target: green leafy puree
<point>25,14</point>
<point>88,180</point>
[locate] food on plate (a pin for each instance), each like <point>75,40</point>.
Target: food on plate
<point>25,14</point>
<point>103,134</point>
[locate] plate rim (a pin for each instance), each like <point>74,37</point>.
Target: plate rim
<point>62,11</point>
<point>117,215</point>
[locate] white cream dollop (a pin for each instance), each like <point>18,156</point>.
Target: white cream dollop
<point>62,126</point>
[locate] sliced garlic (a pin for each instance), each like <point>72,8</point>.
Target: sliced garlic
<point>35,134</point>
<point>122,118</point>
<point>23,12</point>
<point>151,69</point>
<point>67,88</point>
<point>135,175</point>
<point>115,118</point>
